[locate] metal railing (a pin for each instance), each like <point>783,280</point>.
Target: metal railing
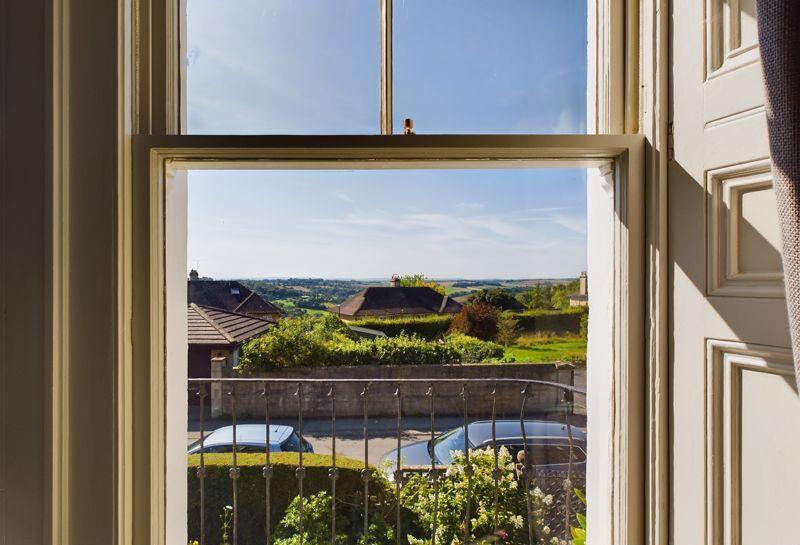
<point>558,483</point>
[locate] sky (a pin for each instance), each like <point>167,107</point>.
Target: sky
<point>460,66</point>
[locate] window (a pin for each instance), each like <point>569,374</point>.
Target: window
<point>471,66</point>
<point>301,67</point>
<point>350,67</point>
<point>162,156</point>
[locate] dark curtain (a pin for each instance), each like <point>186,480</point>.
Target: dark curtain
<point>779,38</point>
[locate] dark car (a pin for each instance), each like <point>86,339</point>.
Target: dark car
<point>547,445</point>
<point>252,438</point>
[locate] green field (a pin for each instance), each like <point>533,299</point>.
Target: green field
<point>290,306</point>
<point>547,349</point>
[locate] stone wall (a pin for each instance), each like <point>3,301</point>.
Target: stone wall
<point>382,402</point>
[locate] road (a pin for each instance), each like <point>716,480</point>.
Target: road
<point>350,433</point>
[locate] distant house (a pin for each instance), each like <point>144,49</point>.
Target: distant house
<point>229,295</point>
<point>580,299</point>
<point>218,333</point>
<point>393,301</point>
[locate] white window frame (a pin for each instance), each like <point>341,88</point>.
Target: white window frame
<point>615,410</point>
<point>151,108</point>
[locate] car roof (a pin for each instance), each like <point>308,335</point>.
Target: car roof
<point>480,432</point>
<point>249,434</point>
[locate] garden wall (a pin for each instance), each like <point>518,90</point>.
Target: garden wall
<point>283,403</point>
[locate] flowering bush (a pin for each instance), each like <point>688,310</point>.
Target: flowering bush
<point>418,495</point>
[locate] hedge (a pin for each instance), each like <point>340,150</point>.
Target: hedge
<point>553,321</point>
<point>251,490</point>
<point>427,327</point>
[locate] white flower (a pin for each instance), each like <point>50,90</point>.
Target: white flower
<point>548,499</point>
<point>546,530</point>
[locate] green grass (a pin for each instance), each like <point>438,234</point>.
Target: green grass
<point>537,349</point>
<point>289,305</point>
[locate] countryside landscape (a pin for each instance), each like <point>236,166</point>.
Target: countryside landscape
<point>375,381</point>
<point>537,322</point>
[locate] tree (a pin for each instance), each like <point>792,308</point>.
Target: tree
<point>507,329</point>
<point>421,281</point>
<point>497,297</point>
<point>477,320</point>
<point>538,297</point>
<point>559,299</point>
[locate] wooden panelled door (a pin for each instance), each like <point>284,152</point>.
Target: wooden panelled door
<point>735,412</point>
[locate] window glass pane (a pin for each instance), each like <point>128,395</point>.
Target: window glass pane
<point>490,67</point>
<point>283,67</point>
<point>413,276</point>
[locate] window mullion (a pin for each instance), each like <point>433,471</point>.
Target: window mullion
<point>386,67</point>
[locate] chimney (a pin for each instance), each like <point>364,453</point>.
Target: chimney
<point>193,275</point>
<point>395,281</point>
<point>584,288</point>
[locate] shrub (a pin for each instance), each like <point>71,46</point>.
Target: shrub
<point>507,329</point>
<point>251,490</point>
<point>472,350</point>
<point>294,342</point>
<point>316,519</point>
<point>350,352</point>
<point>427,327</point>
<point>411,350</point>
<point>418,495</point>
<point>477,320</point>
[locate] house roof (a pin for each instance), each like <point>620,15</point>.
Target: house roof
<point>228,295</point>
<point>394,301</point>
<point>217,327</point>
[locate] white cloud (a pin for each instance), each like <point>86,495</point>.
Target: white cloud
<point>566,123</point>
<point>469,205</point>
<point>343,197</point>
<point>573,223</point>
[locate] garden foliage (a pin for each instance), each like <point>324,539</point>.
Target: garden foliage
<point>477,320</point>
<point>326,341</point>
<point>417,498</point>
<point>428,327</point>
<point>252,493</point>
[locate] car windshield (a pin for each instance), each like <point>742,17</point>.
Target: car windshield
<point>450,441</point>
<point>292,443</point>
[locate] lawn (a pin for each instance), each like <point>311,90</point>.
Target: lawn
<point>537,349</point>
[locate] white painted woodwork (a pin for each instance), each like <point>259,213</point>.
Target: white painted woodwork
<point>735,412</point>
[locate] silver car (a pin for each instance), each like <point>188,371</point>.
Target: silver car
<point>547,445</point>
<point>252,438</point>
